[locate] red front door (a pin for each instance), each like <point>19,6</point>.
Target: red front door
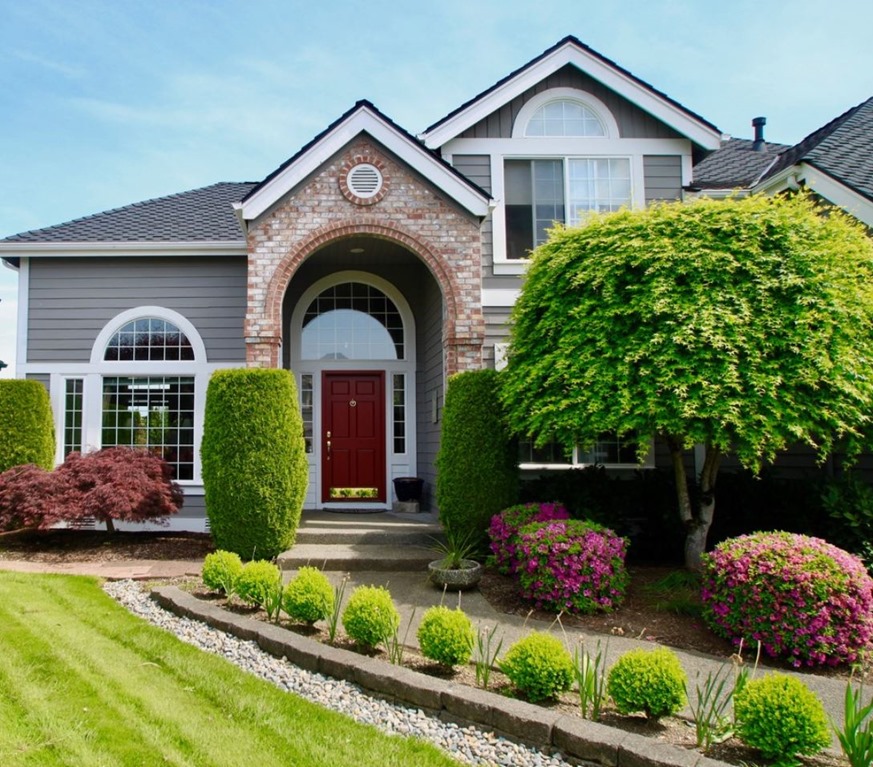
<point>353,437</point>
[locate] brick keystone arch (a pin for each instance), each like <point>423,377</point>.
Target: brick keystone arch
<point>464,328</point>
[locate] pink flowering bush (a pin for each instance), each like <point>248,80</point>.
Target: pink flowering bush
<point>572,565</point>
<point>805,600</point>
<point>504,528</point>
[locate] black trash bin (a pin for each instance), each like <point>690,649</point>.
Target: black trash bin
<point>408,488</point>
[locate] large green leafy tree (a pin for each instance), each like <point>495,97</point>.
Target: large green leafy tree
<point>743,325</point>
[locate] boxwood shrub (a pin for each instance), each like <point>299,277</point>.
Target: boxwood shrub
<point>27,429</point>
<point>477,472</point>
<point>651,681</point>
<point>446,636</point>
<point>254,461</point>
<point>538,666</point>
<point>805,600</point>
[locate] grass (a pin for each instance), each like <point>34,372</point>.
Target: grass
<point>84,682</point>
<point>678,593</point>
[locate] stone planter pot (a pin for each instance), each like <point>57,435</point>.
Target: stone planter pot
<point>466,576</point>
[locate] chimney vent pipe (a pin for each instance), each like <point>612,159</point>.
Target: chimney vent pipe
<point>758,124</point>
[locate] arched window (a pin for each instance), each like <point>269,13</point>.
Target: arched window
<point>149,339</point>
<point>354,321</point>
<point>564,117</point>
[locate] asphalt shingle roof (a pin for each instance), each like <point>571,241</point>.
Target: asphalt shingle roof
<point>735,165</point>
<point>199,215</point>
<point>843,149</point>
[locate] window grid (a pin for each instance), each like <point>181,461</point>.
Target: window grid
<point>352,321</point>
<point>306,408</point>
<point>399,400</point>
<point>155,413</point>
<point>73,389</point>
<point>608,450</point>
<point>149,339</point>
<point>564,118</point>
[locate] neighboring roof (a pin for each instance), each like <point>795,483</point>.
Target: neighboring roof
<point>843,149</point>
<point>364,117</point>
<point>574,51</point>
<point>735,166</point>
<point>199,215</point>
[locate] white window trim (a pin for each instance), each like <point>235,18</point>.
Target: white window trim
<point>647,463</point>
<point>607,119</point>
<point>98,351</point>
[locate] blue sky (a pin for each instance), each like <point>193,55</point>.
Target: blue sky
<point>107,103</point>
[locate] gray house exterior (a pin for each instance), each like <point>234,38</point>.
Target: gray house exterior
<point>372,263</point>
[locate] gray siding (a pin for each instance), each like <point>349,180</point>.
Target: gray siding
<point>632,121</point>
<point>496,331</point>
<point>429,389</point>
<point>476,167</point>
<point>43,379</point>
<point>71,300</point>
<point>663,175</point>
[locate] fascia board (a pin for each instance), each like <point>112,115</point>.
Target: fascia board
<point>363,121</point>
<point>611,78</point>
<point>75,249</point>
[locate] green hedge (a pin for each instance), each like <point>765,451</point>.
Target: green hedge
<point>254,461</point>
<point>27,428</point>
<point>477,471</point>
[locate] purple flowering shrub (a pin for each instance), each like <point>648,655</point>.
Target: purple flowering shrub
<point>805,600</point>
<point>505,526</point>
<point>572,565</point>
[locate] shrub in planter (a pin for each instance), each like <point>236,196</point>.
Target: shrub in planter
<point>370,616</point>
<point>118,483</point>
<point>572,565</point>
<point>254,461</point>
<point>221,570</point>
<point>27,428</point>
<point>258,582</point>
<point>539,666</point>
<point>477,472</point>
<point>29,497</point>
<point>308,596</point>
<point>781,717</point>
<point>651,681</point>
<point>446,636</point>
<point>805,600</point>
<point>505,526</point>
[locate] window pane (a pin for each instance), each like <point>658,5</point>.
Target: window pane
<point>548,185</point>
<point>148,339</point>
<point>610,449</point>
<point>598,184</point>
<point>73,416</point>
<point>517,178</point>
<point>306,411</point>
<point>564,118</point>
<point>399,400</point>
<point>550,453</point>
<point>156,413</point>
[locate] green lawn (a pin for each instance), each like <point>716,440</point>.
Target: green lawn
<point>86,683</point>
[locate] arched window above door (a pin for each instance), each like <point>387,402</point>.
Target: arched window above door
<point>352,321</point>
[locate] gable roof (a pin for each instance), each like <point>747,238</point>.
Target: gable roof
<point>843,149</point>
<point>736,165</point>
<point>363,117</point>
<point>203,215</point>
<point>571,50</point>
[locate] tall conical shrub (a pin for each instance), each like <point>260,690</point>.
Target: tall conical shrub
<point>254,461</point>
<point>27,429</point>
<point>477,470</point>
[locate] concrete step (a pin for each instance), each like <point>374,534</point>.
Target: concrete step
<point>354,557</point>
<point>413,535</point>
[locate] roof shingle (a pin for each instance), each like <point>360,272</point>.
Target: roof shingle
<point>735,165</point>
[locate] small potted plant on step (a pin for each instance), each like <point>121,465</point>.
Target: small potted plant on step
<point>456,569</point>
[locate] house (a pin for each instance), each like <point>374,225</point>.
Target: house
<point>372,263</point>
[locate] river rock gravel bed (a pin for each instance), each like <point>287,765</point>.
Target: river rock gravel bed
<point>467,744</point>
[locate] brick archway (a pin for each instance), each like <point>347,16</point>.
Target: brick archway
<point>464,327</point>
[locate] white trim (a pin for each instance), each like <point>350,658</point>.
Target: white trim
<point>363,120</point>
<point>407,366</point>
<point>822,184</point>
<point>569,53</point>
<point>607,119</point>
<point>134,369</point>
<point>586,146</point>
<point>98,350</point>
<point>84,249</point>
<point>500,296</point>
<point>647,463</point>
<point>23,309</point>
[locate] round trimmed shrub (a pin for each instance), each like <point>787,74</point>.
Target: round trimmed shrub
<point>505,526</point>
<point>803,599</point>
<point>308,596</point>
<point>539,666</point>
<point>781,717</point>
<point>572,565</point>
<point>254,461</point>
<point>27,428</point>
<point>221,569</point>
<point>651,681</point>
<point>370,616</point>
<point>477,472</point>
<point>446,636</point>
<point>256,581</point>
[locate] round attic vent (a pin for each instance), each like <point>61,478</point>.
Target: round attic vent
<point>364,181</point>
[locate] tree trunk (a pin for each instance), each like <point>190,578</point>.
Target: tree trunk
<point>110,525</point>
<point>697,521</point>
